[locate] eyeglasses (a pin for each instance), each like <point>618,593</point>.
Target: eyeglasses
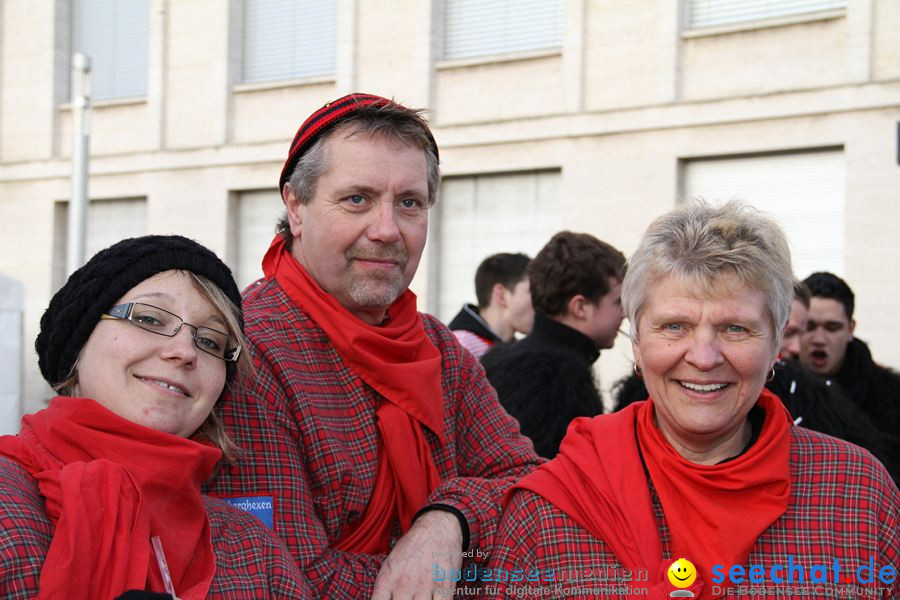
<point>157,320</point>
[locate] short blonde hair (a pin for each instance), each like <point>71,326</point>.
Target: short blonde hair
<point>697,243</point>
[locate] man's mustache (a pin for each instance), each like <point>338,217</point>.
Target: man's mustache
<point>395,252</point>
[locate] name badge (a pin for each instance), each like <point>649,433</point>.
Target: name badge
<point>261,507</point>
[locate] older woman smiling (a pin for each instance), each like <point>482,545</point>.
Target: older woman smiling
<point>709,468</point>
<point>707,308</point>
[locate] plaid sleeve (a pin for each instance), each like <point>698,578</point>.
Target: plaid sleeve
<point>488,453</point>
<point>542,552</point>
<point>889,536</point>
<point>517,539</point>
<point>305,441</point>
<point>266,423</point>
<point>250,560</point>
<point>25,533</point>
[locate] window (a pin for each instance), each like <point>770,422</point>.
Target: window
<point>804,191</point>
<point>108,221</point>
<point>253,216</point>
<point>288,39</point>
<point>713,13</point>
<point>114,34</point>
<point>487,27</point>
<point>482,215</point>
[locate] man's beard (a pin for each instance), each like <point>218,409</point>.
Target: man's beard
<point>378,288</point>
<point>368,293</point>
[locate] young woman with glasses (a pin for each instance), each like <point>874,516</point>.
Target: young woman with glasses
<point>100,492</point>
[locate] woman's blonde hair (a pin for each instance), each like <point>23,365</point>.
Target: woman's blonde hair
<point>698,243</point>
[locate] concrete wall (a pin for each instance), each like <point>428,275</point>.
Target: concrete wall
<point>615,109</point>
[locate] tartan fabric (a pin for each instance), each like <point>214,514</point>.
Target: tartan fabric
<point>843,506</point>
<point>307,432</point>
<point>25,532</point>
<point>250,561</point>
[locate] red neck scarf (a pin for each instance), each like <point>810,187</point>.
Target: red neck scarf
<point>400,363</point>
<point>715,513</point>
<point>109,486</point>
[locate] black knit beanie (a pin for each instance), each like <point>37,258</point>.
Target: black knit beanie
<point>75,309</point>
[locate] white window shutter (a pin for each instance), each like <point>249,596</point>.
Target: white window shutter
<point>712,13</point>
<point>288,39</point>
<point>255,215</point>
<point>115,35</point>
<point>486,214</point>
<point>804,191</point>
<point>108,221</point>
<point>487,27</point>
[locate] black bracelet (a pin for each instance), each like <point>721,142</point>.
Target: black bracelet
<point>142,595</point>
<point>463,523</point>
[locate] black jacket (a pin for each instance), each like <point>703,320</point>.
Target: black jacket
<point>874,389</point>
<point>469,319</point>
<point>813,403</point>
<point>545,381</point>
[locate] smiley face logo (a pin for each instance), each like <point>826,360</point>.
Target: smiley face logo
<point>682,573</point>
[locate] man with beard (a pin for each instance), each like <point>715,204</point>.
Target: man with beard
<point>372,435</point>
<point>830,350</point>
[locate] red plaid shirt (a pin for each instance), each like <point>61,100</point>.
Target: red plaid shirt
<point>250,561</point>
<point>843,506</point>
<point>306,428</point>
